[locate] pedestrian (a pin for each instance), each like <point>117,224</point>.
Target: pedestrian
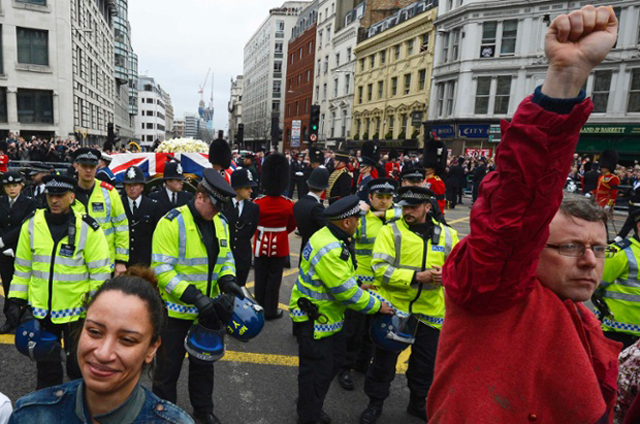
<point>408,256</point>
<point>143,214</point>
<point>479,172</point>
<point>172,195</point>
<point>243,220</point>
<point>193,261</point>
<point>272,237</point>
<point>14,208</point>
<point>62,255</point>
<point>590,179</point>
<point>340,179</point>
<point>309,210</point>
<point>118,341</point>
<point>101,201</point>
<point>299,175</point>
<point>457,180</point>
<point>517,343</point>
<point>325,288</point>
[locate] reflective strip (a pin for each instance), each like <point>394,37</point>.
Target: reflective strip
<point>366,278</point>
<point>366,240</point>
<point>164,259</point>
<point>197,277</point>
<point>173,283</point>
<point>162,268</point>
<point>428,318</point>
<point>309,280</point>
<point>122,228</point>
<point>328,328</point>
<point>448,240</point>
<point>364,252</point>
<point>119,218</point>
<point>363,231</point>
<point>30,228</point>
<point>21,274</point>
<point>64,313</point>
<point>104,276</point>
<point>69,261</point>
<point>312,294</point>
<point>621,325</point>
<point>385,257</point>
<point>316,258</point>
<point>84,227</point>
<point>193,261</point>
<point>397,243</point>
<point>19,288</point>
<point>102,221</point>
<point>23,262</point>
<point>107,202</point>
<point>227,268</point>
<point>622,296</point>
<point>122,251</point>
<point>370,305</point>
<point>60,277</point>
<point>272,229</point>
<point>181,308</point>
<point>355,298</point>
<point>45,259</point>
<point>347,285</point>
<point>39,312</point>
<point>99,263</point>
<point>182,234</point>
<point>633,264</point>
<point>297,313</point>
<point>388,273</point>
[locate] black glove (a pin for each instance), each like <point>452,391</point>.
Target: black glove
<point>15,310</point>
<point>204,304</point>
<point>223,306</point>
<point>228,284</point>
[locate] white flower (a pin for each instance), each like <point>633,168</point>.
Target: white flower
<point>183,145</point>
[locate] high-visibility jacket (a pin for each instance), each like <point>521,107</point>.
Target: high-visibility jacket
<point>621,288</point>
<point>327,279</point>
<point>398,254</point>
<point>105,206</point>
<point>54,278</point>
<point>179,259</point>
<point>366,233</point>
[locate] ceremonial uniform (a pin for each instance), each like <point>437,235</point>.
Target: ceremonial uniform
<point>192,259</point>
<point>607,190</point>
<point>220,158</point>
<point>435,184</point>
<point>327,282</point>
<point>166,198</point>
<point>339,180</point>
<point>60,260</point>
<point>299,174</point>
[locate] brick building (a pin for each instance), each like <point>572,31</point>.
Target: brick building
<point>299,80</point>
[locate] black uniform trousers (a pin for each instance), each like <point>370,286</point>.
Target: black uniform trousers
<point>320,361</point>
<point>268,275</point>
<point>629,224</point>
<point>301,185</point>
<point>421,364</point>
<point>169,365</point>
<point>241,276</point>
<point>7,267</point>
<point>359,349</point>
<point>624,338</point>
<point>50,373</point>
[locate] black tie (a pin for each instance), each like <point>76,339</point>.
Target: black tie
<point>174,198</point>
<point>134,211</point>
<point>237,208</point>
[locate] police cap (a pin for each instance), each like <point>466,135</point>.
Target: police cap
<point>12,177</point>
<point>344,208</point>
<point>87,156</point>
<point>172,171</point>
<point>383,185</point>
<point>242,177</point>
<point>216,186</point>
<point>58,184</point>
<point>412,196</point>
<point>412,174</point>
<point>134,175</point>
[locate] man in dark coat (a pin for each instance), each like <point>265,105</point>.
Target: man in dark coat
<point>456,181</point>
<point>143,214</point>
<point>340,178</point>
<point>478,176</point>
<point>591,176</point>
<point>308,211</point>
<point>171,195</point>
<point>14,208</point>
<point>36,189</point>
<point>299,174</point>
<point>243,216</point>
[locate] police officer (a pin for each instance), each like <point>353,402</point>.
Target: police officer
<point>243,216</point>
<point>62,256</point>
<point>36,189</point>
<point>104,173</point>
<point>325,288</point>
<point>14,208</point>
<point>340,179</point>
<point>143,214</point>
<point>299,175</point>
<point>381,191</point>
<point>309,210</point>
<point>620,289</point>
<point>408,255</point>
<point>101,201</point>
<point>193,261</point>
<point>171,196</point>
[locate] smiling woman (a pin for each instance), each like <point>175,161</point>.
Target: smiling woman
<point>119,339</point>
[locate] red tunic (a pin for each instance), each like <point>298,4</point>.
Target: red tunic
<point>393,170</point>
<point>607,190</point>
<point>275,224</point>
<point>511,351</point>
<point>438,186</point>
<point>4,160</point>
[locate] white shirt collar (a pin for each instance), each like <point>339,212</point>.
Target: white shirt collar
<point>137,202</point>
<point>315,196</point>
<point>170,193</point>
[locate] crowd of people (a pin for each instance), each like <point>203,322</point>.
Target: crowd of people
<point>496,321</point>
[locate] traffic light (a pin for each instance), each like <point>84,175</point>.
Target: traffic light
<point>240,134</point>
<point>314,120</point>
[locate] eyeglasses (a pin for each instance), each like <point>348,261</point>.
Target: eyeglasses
<point>576,250</point>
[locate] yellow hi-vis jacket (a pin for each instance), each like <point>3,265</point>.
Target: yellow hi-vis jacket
<point>105,206</point>
<point>55,279</point>
<point>365,236</point>
<point>398,254</point>
<point>179,259</point>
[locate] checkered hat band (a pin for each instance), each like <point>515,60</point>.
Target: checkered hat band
<point>215,193</point>
<point>413,175</point>
<point>385,186</point>
<point>58,184</point>
<point>87,156</point>
<point>416,196</point>
<point>354,211</point>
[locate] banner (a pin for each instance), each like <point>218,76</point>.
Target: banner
<point>153,163</point>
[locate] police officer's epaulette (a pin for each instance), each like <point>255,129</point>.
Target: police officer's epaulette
<point>106,185</point>
<point>224,218</point>
<point>172,214</point>
<point>91,222</point>
<point>622,244</point>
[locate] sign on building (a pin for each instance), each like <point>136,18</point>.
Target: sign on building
<point>296,126</point>
<point>473,131</point>
<point>478,153</point>
<point>444,131</point>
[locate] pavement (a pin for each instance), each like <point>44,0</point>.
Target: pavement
<point>256,382</point>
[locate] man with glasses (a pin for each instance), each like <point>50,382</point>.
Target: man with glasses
<point>517,344</point>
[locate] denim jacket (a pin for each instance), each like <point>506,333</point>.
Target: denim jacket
<point>58,405</point>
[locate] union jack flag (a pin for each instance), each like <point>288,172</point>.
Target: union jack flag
<point>153,163</point>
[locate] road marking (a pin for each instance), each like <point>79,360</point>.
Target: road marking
<point>455,221</point>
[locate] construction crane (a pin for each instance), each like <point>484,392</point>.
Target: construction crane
<point>201,91</point>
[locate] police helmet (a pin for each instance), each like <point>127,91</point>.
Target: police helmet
<point>392,332</point>
<point>36,343</point>
<point>205,345</point>
<point>247,319</point>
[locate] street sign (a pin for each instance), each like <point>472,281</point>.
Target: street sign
<point>313,137</point>
<point>473,131</point>
<point>444,131</point>
<point>296,125</point>
<point>416,118</point>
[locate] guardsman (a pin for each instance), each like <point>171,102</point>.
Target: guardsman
<point>309,210</point>
<point>378,213</point>
<point>340,178</point>
<point>101,201</point>
<point>608,183</point>
<point>62,257</point>
<point>620,289</point>
<point>299,175</point>
<point>243,217</point>
<point>171,195</point>
<point>408,255</point>
<point>220,158</point>
<point>393,167</point>
<point>143,214</point>
<point>325,288</point>
<point>272,237</point>
<point>14,208</point>
<point>193,261</point>
<point>435,162</point>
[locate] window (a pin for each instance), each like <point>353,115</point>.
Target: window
<point>3,104</point>
<point>509,35</point>
<point>300,53</point>
<point>391,121</point>
<point>370,92</point>
<point>277,67</point>
<point>358,126</point>
<point>317,96</point>
<point>326,64</point>
<point>372,61</point>
<point>383,57</point>
<point>278,48</point>
<point>324,91</point>
<point>425,42</point>
<point>409,47</point>
<point>1,58</point>
<point>275,106</point>
<point>299,80</point>
<point>601,87</point>
<point>349,54</point>
<point>33,46</point>
<point>422,79</point>
<point>380,89</point>
<point>445,47</point>
<point>306,105</point>
<point>483,91</point>
<point>328,35</point>
<point>310,47</point>
<point>291,61</point>
<point>149,126</point>
<point>455,45</point>
<point>347,82</point>
<point>337,59</point>
<point>404,120</point>
<point>35,106</point>
<point>394,86</point>
<point>335,87</point>
<point>503,91</point>
<point>344,123</point>
<point>360,90</point>
<point>279,26</point>
<point>397,51</point>
<point>634,91</point>
<point>277,86</point>
<point>441,98</point>
<point>407,84</point>
<point>333,124</point>
<point>451,91</point>
<point>319,67</point>
<point>40,2</point>
<point>488,46</point>
<point>308,75</point>
<point>362,64</point>
<point>319,40</point>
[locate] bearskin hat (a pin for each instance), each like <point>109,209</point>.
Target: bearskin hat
<point>275,174</point>
<point>393,154</point>
<point>609,160</point>
<point>220,153</point>
<point>434,155</point>
<point>370,153</point>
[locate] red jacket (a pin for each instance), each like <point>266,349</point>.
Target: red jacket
<point>438,186</point>
<point>607,190</point>
<point>275,224</point>
<point>510,350</point>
